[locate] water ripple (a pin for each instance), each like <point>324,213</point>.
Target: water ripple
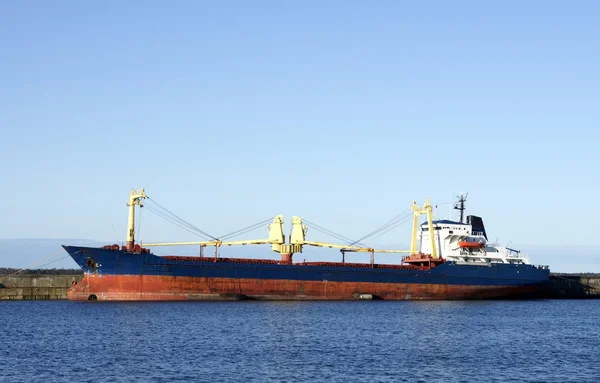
<point>523,341</point>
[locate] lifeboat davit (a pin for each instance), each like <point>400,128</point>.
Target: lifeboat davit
<point>471,245</point>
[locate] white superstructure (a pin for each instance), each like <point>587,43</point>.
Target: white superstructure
<point>466,243</point>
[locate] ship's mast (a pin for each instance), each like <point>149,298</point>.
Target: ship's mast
<point>135,198</point>
<point>417,211</point>
<point>460,205</point>
<point>428,211</point>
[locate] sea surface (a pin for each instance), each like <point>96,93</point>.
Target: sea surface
<point>361,341</point>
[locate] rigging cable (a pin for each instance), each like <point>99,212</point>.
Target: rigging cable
<point>139,223</point>
<point>391,228</point>
<point>163,212</point>
<point>56,260</point>
<point>173,221</point>
<point>384,226</point>
<point>181,221</point>
<point>31,267</point>
<point>332,233</point>
<point>246,229</point>
<point>175,216</point>
<point>399,222</point>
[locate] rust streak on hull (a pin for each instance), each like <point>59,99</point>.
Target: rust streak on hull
<point>170,288</point>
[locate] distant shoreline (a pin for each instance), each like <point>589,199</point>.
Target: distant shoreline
<point>6,271</point>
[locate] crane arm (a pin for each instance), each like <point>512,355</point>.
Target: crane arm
<point>211,243</point>
<point>367,250</point>
<point>330,245</point>
<point>353,249</point>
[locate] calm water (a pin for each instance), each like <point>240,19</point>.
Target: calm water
<point>552,341</point>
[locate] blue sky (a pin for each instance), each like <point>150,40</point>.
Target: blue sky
<point>340,112</point>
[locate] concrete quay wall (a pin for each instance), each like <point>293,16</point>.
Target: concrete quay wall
<point>36,287</point>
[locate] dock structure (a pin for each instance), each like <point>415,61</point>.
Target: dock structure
<point>37,287</point>
<point>55,287</point>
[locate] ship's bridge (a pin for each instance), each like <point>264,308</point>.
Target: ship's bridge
<point>465,242</point>
<point>447,224</point>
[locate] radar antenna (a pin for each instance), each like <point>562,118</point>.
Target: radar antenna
<point>460,205</point>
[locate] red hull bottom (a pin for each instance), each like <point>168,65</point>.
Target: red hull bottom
<point>168,288</point>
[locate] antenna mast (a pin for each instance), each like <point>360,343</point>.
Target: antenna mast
<point>460,205</point>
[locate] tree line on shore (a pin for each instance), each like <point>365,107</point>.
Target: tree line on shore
<point>10,271</point>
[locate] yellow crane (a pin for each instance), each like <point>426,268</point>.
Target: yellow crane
<point>277,238</point>
<point>426,209</point>
<point>135,198</point>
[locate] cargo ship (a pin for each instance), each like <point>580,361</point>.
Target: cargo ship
<point>447,260</point>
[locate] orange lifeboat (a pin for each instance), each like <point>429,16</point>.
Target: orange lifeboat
<point>471,245</point>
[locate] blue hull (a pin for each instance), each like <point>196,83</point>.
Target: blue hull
<point>99,261</point>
